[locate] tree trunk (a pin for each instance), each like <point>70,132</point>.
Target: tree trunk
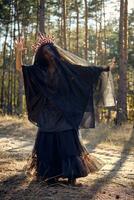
<point>64,24</point>
<point>96,35</point>
<point>105,39</point>
<point>86,28</point>
<point>100,57</point>
<point>77,27</point>
<point>14,78</point>
<point>126,32</point>
<point>122,90</point>
<point>9,96</point>
<point>20,79</point>
<point>37,19</point>
<point>42,16</point>
<point>2,97</point>
<point>59,33</point>
<point>10,71</point>
<point>69,33</point>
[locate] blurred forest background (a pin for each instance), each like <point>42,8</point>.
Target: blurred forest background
<point>96,30</point>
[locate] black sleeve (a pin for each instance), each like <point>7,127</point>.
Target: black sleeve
<point>99,69</point>
<point>101,78</point>
<point>33,78</point>
<point>96,73</point>
<point>34,85</point>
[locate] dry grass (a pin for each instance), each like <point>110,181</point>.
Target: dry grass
<point>109,135</point>
<point>18,120</point>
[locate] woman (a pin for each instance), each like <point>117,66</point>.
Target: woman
<point>59,88</point>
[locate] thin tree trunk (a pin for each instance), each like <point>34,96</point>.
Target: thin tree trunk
<point>64,24</point>
<point>122,90</point>
<point>126,32</point>
<point>96,35</point>
<point>11,99</point>
<point>61,30</point>
<point>60,25</point>
<point>69,34</point>
<point>14,78</point>
<point>100,43</point>
<point>105,39</point>
<point>42,16</point>
<point>10,74</point>
<point>9,106</point>
<point>2,97</point>
<point>77,27</point>
<point>37,18</point>
<point>86,28</point>
<point>20,78</point>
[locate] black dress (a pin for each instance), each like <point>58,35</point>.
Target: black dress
<point>58,151</point>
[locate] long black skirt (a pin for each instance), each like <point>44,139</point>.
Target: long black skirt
<point>61,154</point>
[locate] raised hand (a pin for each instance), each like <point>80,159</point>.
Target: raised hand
<point>19,44</point>
<point>112,64</point>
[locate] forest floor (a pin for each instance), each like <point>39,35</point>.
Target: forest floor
<point>115,146</point>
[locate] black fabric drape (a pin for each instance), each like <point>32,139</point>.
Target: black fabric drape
<point>71,91</point>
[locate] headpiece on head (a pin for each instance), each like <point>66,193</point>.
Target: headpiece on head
<point>42,40</point>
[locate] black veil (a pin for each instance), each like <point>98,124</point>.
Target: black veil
<point>72,87</point>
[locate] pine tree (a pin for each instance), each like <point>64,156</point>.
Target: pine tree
<point>122,90</point>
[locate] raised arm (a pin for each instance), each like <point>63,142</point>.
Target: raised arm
<point>19,45</point>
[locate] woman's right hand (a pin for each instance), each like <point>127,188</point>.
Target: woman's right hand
<point>19,44</point>
<point>112,64</point>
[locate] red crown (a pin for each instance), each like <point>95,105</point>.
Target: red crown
<point>42,40</point>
